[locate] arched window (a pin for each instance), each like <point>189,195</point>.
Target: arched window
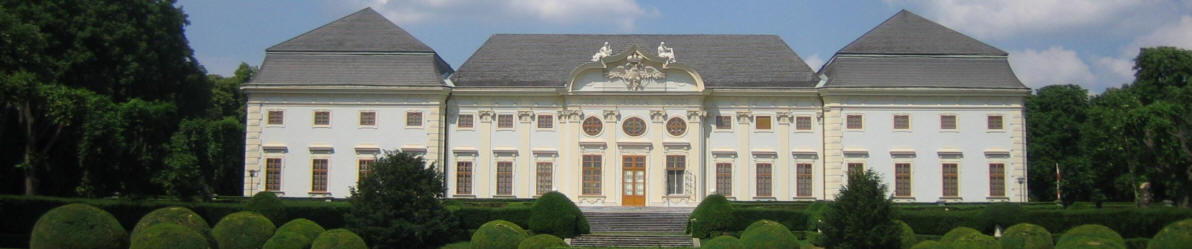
<point>592,126</point>
<point>676,127</point>
<point>634,126</point>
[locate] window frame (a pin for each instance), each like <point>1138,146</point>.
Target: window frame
<point>860,123</point>
<point>955,122</point>
<point>315,175</point>
<point>1001,122</point>
<point>593,167</point>
<point>549,121</point>
<point>724,179</point>
<point>810,123</point>
<point>360,119</point>
<point>800,176</point>
<point>904,187</point>
<point>894,122</point>
<point>421,119</point>
<point>1002,175</point>
<point>675,164</point>
<point>645,127</point>
<point>504,178</point>
<point>315,119</point>
<point>598,125</point>
<point>543,186</point>
<point>757,123</point>
<point>668,127</point>
<point>944,180</point>
<point>281,119</point>
<point>848,167</point>
<point>471,121</point>
<point>363,169</point>
<point>727,125</point>
<point>764,181</point>
<point>460,173</point>
<point>512,121</point>
<point>276,174</point>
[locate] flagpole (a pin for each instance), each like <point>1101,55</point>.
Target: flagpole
<point>1057,182</point>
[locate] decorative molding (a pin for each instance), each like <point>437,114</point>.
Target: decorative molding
<point>525,116</point>
<point>785,117</point>
<point>696,116</point>
<point>573,116</point>
<point>486,115</point>
<point>634,71</point>
<point>744,117</point>
<point>666,53</point>
<point>657,116</point>
<point>612,116</point>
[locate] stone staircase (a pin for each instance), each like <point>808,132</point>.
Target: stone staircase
<point>635,227</point>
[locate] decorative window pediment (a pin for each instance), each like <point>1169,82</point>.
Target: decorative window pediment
<point>635,70</point>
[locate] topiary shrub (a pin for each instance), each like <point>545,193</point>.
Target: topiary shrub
<point>1091,234</point>
<point>383,212</point>
<point>287,240</point>
<point>975,241</point>
<point>541,241</point>
<point>242,230</point>
<point>176,215</point>
<point>929,244</point>
<point>1087,242</point>
<point>1174,235</point>
<point>498,234</point>
<point>767,234</point>
<point>1026,236</point>
<point>862,215</point>
<point>338,239</point>
<point>554,213</point>
<point>303,227</point>
<point>77,226</point>
<point>169,235</point>
<point>907,235</point>
<point>956,233</point>
<point>713,215</point>
<point>267,204</point>
<point>723,242</point>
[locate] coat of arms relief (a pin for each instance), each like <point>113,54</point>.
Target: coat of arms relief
<point>636,68</point>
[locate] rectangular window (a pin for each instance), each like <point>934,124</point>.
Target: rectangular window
<point>765,180</point>
<point>675,166</point>
<point>318,180</point>
<point>368,118</point>
<point>504,178</point>
<point>994,123</point>
<point>951,186</point>
<point>273,174</point>
<point>902,179</point>
<point>322,118</point>
<point>414,119</point>
<point>803,123</point>
<point>546,121</point>
<point>464,121</point>
<point>724,179</point>
<point>276,117</point>
<point>463,178</point>
<point>997,180</point>
<point>724,122</point>
<point>505,121</point>
<point>856,168</point>
<point>761,122</point>
<point>365,166</point>
<point>902,122</point>
<point>591,174</point>
<point>803,179</point>
<point>545,177</point>
<point>854,122</point>
<point>947,122</point>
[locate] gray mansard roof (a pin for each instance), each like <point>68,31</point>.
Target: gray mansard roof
<point>362,49</point>
<point>723,61</point>
<point>908,50</point>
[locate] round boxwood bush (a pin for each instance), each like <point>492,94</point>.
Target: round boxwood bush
<point>169,236</point>
<point>768,234</point>
<point>1091,234</point>
<point>303,227</point>
<point>176,215</point>
<point>287,240</point>
<point>956,233</point>
<point>267,204</point>
<point>338,238</point>
<point>1087,242</point>
<point>1026,236</point>
<point>77,226</point>
<point>723,242</point>
<point>929,244</point>
<point>541,241</point>
<point>975,241</point>
<point>907,235</point>
<point>554,213</point>
<point>242,230</point>
<point>1174,235</point>
<point>714,214</point>
<point>498,234</point>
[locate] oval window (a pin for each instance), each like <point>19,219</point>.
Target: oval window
<point>592,126</point>
<point>676,127</point>
<point>634,126</point>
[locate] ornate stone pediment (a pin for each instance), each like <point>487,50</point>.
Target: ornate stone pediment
<point>634,69</point>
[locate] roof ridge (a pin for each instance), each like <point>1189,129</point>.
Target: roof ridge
<point>925,37</point>
<point>345,34</point>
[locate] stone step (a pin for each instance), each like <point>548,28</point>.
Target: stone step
<point>600,240</point>
<point>648,222</point>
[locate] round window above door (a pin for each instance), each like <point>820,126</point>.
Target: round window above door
<point>592,126</point>
<point>634,126</point>
<point>676,126</point>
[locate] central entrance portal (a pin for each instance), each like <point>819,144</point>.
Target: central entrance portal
<point>634,168</point>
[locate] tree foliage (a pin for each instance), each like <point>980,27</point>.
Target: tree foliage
<point>1054,114</point>
<point>397,205</point>
<point>861,216</point>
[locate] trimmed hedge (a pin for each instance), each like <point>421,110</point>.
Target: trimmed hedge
<point>338,238</point>
<point>498,234</point>
<point>929,244</point>
<point>287,240</point>
<point>1081,235</point>
<point>304,227</point>
<point>77,226</point>
<point>713,215</point>
<point>169,235</point>
<point>176,215</point>
<point>1176,235</point>
<point>1130,222</point>
<point>554,213</point>
<point>474,217</point>
<point>267,204</point>
<point>243,230</point>
<point>1137,243</point>
<point>793,219</point>
<point>956,234</point>
<point>541,241</point>
<point>767,234</point>
<point>1026,236</point>
<point>907,235</point>
<point>723,242</point>
<point>975,241</point>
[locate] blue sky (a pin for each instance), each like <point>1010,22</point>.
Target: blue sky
<point>1086,42</point>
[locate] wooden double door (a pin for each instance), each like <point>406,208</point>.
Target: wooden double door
<point>633,180</point>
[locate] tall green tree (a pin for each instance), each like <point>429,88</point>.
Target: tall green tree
<point>398,204</point>
<point>861,216</point>
<point>1163,90</point>
<point>1054,115</point>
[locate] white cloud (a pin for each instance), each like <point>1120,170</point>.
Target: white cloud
<point>1004,18</point>
<point>624,13</point>
<point>1121,67</point>
<point>814,61</point>
<point>1055,65</point>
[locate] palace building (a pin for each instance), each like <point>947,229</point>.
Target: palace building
<point>641,119</point>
